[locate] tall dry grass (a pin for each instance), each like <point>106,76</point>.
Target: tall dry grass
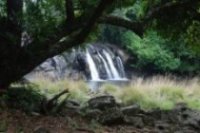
<point>155,92</point>
<point>158,92</point>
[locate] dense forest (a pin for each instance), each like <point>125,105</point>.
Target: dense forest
<point>160,37</point>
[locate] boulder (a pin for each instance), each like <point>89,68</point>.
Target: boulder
<point>131,110</point>
<point>190,118</point>
<point>102,102</point>
<point>93,114</point>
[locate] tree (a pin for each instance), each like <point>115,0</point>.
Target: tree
<point>19,54</point>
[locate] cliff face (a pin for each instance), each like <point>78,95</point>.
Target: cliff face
<point>74,64</point>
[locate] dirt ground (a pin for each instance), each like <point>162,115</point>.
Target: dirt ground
<point>157,121</point>
<point>18,122</point>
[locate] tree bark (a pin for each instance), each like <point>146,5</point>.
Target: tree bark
<point>135,26</point>
<point>10,48</point>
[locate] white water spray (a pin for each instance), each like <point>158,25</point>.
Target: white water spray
<point>106,66</point>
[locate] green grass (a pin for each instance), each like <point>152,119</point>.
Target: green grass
<point>155,92</point>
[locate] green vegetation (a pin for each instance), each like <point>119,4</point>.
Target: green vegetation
<point>154,53</point>
<point>156,92</point>
<point>26,98</point>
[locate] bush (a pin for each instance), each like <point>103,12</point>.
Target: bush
<point>24,97</point>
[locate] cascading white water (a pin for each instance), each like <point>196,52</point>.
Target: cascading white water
<point>106,66</point>
<point>112,66</point>
<point>93,69</point>
<point>121,67</point>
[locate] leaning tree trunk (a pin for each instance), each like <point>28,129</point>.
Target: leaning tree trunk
<point>16,61</point>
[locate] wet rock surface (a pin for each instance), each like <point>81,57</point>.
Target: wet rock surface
<point>73,64</point>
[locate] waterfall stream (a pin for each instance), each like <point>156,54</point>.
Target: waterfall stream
<point>109,74</point>
<point>121,67</point>
<point>104,65</point>
<point>112,66</point>
<point>92,67</point>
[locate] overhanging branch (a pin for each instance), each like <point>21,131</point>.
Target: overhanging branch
<point>135,26</point>
<point>52,46</point>
<point>78,38</point>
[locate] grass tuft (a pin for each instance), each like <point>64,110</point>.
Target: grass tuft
<point>161,92</point>
<point>158,92</point>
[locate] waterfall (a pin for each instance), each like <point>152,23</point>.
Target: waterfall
<point>108,72</point>
<point>93,70</point>
<point>112,66</point>
<point>121,66</point>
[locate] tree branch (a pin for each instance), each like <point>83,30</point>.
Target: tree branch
<point>78,38</point>
<point>135,26</point>
<point>155,12</point>
<point>139,26</point>
<point>61,41</point>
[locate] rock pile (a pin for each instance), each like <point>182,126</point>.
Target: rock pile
<point>107,111</point>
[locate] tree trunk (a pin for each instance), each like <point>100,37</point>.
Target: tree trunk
<point>16,61</point>
<point>10,48</point>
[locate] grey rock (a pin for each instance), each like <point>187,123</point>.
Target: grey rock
<point>190,118</point>
<point>135,121</point>
<point>93,114</point>
<point>102,102</point>
<point>131,110</point>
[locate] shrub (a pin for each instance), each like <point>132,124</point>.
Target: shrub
<point>25,98</point>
